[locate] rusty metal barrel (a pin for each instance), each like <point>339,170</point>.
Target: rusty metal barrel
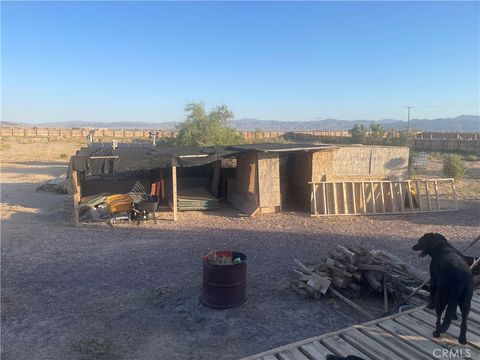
<point>224,279</point>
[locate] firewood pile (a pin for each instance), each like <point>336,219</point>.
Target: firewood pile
<point>349,272</point>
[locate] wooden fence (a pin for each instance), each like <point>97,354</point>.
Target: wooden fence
<point>383,197</point>
<point>441,145</point>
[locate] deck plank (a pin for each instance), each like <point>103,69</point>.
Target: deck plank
<point>425,330</point>
<point>315,350</point>
<point>269,357</point>
<point>414,339</point>
<point>369,346</point>
<point>405,336</point>
<point>393,343</point>
<point>473,326</point>
<point>340,347</point>
<point>293,354</point>
<point>453,330</point>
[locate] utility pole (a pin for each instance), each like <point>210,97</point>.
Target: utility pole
<point>408,120</point>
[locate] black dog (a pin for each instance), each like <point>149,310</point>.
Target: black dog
<point>349,357</point>
<point>451,282</point>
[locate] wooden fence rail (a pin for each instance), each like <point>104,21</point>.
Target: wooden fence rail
<point>383,197</point>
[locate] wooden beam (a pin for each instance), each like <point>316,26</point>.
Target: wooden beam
<point>454,190</point>
<point>392,197</point>
<point>364,197</point>
<point>314,193</point>
<point>76,198</point>
<point>335,205</point>
<point>353,198</point>
<point>429,203</point>
<point>174,193</point>
<point>324,193</point>
<point>374,201</point>
<point>402,201</point>
<point>382,194</point>
<point>345,203</point>
<point>420,206</point>
<point>215,178</point>
<point>410,198</point>
<point>436,194</point>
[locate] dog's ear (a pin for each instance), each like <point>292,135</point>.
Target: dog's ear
<point>436,240</point>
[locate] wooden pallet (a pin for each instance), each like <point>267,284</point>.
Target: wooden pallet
<point>383,197</point>
<point>405,336</point>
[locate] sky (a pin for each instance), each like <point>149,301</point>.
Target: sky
<point>144,61</point>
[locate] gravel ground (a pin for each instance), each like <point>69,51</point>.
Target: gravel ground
<point>133,293</point>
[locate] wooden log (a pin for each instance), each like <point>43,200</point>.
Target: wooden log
<point>347,254</point>
<point>302,267</point>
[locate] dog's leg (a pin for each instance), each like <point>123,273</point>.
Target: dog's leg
<point>464,309</point>
<point>449,313</point>
<point>439,307</point>
<point>433,289</point>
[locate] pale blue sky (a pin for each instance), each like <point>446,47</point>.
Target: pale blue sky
<point>130,61</point>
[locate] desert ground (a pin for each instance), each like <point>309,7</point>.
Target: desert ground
<point>133,293</point>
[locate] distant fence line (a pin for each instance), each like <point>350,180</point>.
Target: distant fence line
<point>441,145</point>
<point>448,135</point>
<point>122,133</point>
<point>424,141</point>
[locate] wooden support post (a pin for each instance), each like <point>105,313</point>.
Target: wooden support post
<point>325,204</point>
<point>76,198</point>
<point>174,192</point>
<point>345,203</point>
<point>382,195</point>
<point>429,203</point>
<point>364,198</point>
<point>335,205</point>
<point>436,194</point>
<point>454,190</point>
<point>314,193</point>
<point>402,200</point>
<point>374,202</point>
<point>353,198</point>
<point>410,198</point>
<point>420,207</point>
<point>215,177</point>
<point>392,197</point>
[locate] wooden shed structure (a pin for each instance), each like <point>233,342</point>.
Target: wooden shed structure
<point>273,177</point>
<point>317,178</point>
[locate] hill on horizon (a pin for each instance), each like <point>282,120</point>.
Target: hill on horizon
<point>462,123</point>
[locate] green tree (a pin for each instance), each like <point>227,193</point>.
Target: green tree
<point>454,166</point>
<point>358,134</point>
<point>207,129</point>
<point>377,134</point>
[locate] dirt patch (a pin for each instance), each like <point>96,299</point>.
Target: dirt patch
<point>134,292</point>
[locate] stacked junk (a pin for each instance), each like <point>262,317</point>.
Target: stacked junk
<point>352,271</point>
<point>349,272</point>
<point>136,205</point>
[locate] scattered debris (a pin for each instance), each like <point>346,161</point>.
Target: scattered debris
<point>57,184</point>
<point>352,271</point>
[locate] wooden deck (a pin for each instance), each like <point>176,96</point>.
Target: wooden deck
<point>405,336</point>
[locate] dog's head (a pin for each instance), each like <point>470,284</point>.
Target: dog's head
<point>428,243</point>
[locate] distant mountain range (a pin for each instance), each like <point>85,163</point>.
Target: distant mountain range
<point>459,123</point>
